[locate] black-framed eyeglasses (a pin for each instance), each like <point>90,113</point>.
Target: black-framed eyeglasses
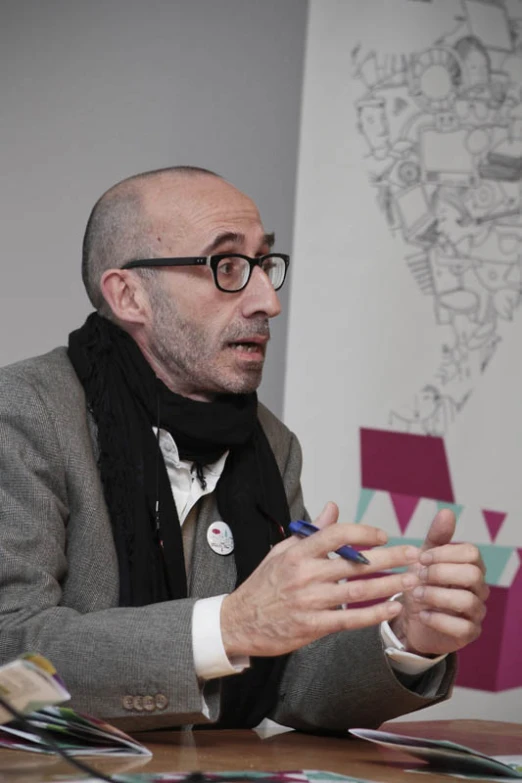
<point>231,271</point>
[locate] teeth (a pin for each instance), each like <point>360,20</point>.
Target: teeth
<point>249,347</point>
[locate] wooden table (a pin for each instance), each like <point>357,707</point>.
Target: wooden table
<point>244,750</point>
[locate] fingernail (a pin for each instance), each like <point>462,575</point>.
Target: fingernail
<point>425,615</point>
<point>426,558</point>
<point>418,593</point>
<point>409,580</point>
<point>423,574</point>
<point>411,553</point>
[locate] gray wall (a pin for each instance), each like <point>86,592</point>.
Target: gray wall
<point>95,91</point>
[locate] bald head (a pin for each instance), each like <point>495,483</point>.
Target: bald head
<point>120,227</point>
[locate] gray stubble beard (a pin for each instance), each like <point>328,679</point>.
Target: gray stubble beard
<point>181,349</point>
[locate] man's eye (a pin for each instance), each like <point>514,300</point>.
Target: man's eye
<point>230,266</point>
<point>268,265</point>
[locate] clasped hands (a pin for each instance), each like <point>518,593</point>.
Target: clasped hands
<point>293,596</point>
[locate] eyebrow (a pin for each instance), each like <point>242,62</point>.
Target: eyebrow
<point>230,236</point>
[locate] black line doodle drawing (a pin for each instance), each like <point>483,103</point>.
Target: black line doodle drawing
<point>443,132</point>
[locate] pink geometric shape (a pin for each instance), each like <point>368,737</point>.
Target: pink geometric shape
<point>494,521</point>
<point>492,662</point>
<point>479,662</point>
<point>509,669</point>
<point>405,464</point>
<point>404,506</point>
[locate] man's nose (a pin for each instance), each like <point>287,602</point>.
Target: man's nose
<point>259,296</point>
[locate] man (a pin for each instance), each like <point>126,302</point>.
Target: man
<point>145,496</point>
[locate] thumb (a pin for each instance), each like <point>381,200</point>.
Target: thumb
<point>441,530</point>
<point>328,516</point>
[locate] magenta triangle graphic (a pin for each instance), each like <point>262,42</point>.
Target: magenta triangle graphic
<point>404,506</point>
<point>494,521</point>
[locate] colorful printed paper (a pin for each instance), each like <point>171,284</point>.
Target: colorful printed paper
<point>28,683</point>
<point>76,733</point>
<point>446,755</point>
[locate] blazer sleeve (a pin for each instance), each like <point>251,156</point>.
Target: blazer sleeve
<point>58,571</point>
<point>345,680</point>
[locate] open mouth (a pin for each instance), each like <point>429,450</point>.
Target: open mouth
<point>248,347</point>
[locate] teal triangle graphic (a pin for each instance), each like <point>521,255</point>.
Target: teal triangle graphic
<point>452,506</point>
<point>365,497</point>
<point>495,559</point>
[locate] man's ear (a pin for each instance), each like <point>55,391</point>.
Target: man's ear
<point>123,291</point>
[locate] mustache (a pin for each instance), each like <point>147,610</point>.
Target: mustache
<point>256,327</point>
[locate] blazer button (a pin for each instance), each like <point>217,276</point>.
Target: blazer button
<point>149,703</point>
<point>161,701</point>
<point>138,703</point>
<point>127,702</point>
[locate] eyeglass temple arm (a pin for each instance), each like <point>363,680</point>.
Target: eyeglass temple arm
<point>181,261</point>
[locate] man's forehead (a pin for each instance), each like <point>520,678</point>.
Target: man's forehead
<point>181,193</point>
<point>177,206</point>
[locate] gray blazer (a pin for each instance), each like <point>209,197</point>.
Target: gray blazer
<point>134,666</point>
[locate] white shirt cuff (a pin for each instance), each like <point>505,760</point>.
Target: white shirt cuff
<point>210,658</point>
<point>400,659</point>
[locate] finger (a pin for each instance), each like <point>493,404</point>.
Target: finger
<point>451,601</point>
<point>328,595</point>
<point>465,576</point>
<point>388,557</point>
<point>332,569</point>
<point>461,630</point>
<point>349,619</point>
<point>358,590</point>
<point>327,570</point>
<point>441,530</point>
<point>328,516</point>
<point>381,559</point>
<point>454,553</point>
<point>332,537</point>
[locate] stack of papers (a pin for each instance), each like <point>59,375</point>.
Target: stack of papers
<point>447,755</point>
<point>76,733</point>
<point>29,683</point>
<point>32,686</point>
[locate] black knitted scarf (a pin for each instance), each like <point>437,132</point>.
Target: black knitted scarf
<point>127,400</point>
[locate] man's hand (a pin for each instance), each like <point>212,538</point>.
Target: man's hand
<point>293,596</point>
<point>444,612</point>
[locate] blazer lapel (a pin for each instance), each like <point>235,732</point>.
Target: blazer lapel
<point>210,572</point>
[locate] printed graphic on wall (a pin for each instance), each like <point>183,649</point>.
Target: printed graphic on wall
<point>404,376</point>
<point>443,130</point>
<point>408,477</point>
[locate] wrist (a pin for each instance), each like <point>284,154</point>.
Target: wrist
<point>230,628</point>
<point>401,639</point>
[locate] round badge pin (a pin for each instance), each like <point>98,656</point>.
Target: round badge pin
<point>220,538</point>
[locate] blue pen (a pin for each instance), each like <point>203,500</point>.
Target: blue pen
<point>302,528</point>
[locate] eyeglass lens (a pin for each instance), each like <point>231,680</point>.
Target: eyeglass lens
<point>233,272</point>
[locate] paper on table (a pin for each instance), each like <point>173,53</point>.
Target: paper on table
<point>446,755</point>
<point>31,685</point>
<point>235,776</point>
<point>76,733</point>
<point>28,683</point>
